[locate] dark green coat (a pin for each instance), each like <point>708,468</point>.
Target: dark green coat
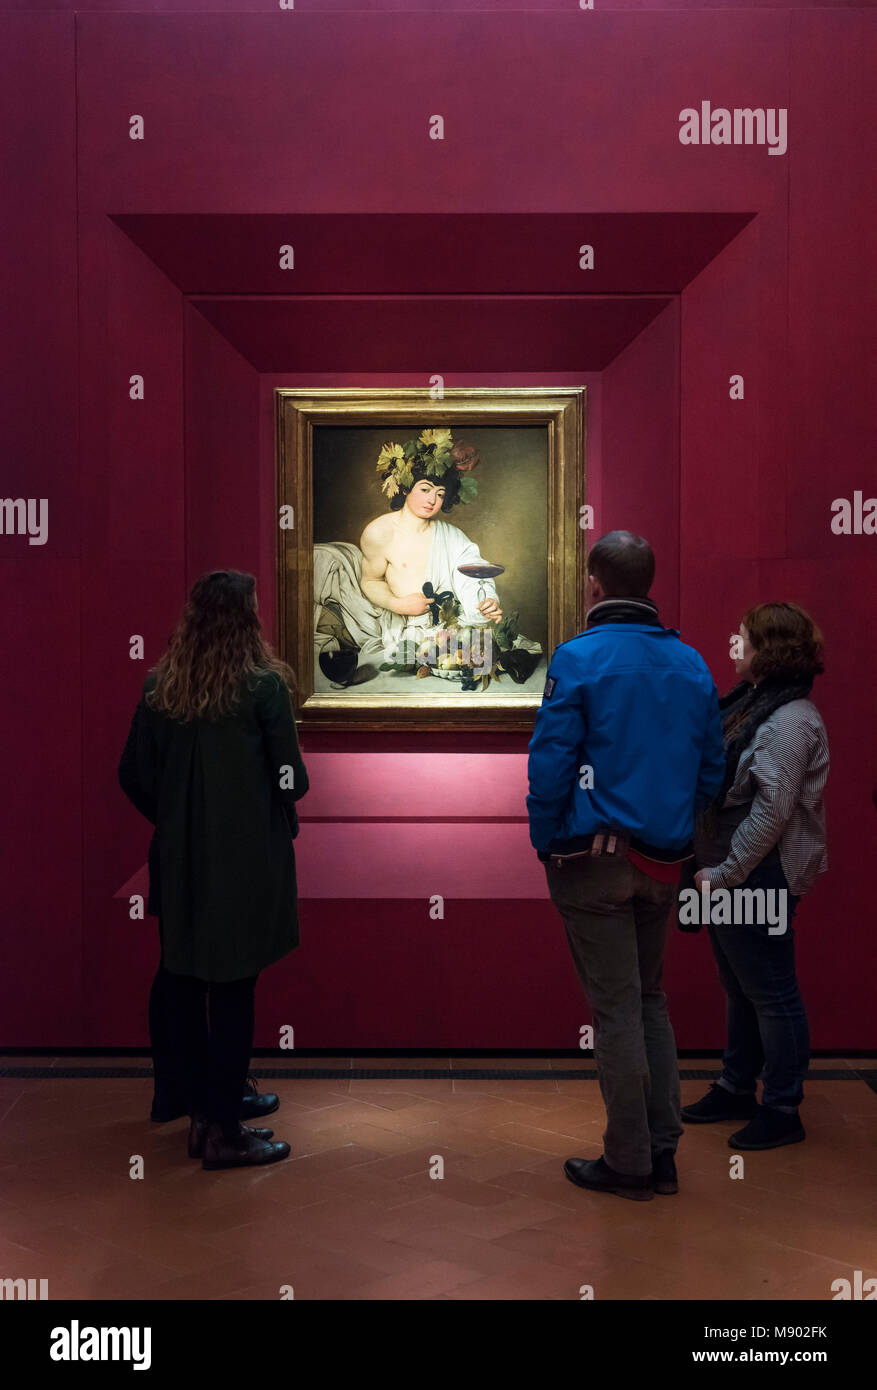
<point>221,862</point>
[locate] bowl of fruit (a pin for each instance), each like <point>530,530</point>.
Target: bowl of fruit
<point>452,654</point>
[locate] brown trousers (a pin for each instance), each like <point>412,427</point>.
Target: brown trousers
<point>616,924</point>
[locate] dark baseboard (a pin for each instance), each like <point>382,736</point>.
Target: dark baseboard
<point>390,1052</point>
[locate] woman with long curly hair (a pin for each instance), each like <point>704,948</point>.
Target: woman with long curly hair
<point>213,761</point>
<point>765,830</point>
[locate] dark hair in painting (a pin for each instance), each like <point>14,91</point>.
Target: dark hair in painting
<point>450,481</point>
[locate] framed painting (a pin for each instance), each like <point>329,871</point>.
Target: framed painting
<point>430,551</point>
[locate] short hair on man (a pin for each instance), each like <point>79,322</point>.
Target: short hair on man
<point>623,564</point>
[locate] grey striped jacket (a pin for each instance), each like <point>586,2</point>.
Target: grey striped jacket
<point>782,772</point>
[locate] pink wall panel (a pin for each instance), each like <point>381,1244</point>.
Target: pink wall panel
<point>640,457</point>
<point>40,744</point>
<point>499,334</point>
<point>133,575</point>
<point>234,106</point>
<point>720,318</point>
<point>454,785</point>
<point>225,494</point>
<point>832,283</point>
<point>41,843</point>
<point>38,368</point>
<point>384,974</point>
<point>467,859</point>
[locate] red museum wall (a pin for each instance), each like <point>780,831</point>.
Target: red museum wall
<point>250,111</point>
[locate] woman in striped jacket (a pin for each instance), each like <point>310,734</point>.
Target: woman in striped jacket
<point>765,830</point>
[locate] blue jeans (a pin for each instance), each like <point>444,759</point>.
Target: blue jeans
<point>768,1035</point>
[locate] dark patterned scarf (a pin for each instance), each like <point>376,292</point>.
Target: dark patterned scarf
<point>745,709</point>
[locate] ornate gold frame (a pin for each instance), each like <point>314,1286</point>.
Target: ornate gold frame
<point>561,409</point>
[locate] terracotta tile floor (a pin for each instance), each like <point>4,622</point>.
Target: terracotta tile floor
<point>354,1213</point>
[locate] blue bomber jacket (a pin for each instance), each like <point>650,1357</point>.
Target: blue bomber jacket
<point>628,737</point>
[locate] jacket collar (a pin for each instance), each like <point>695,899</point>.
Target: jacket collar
<point>624,610</point>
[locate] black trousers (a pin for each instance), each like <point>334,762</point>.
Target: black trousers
<point>201,1039</point>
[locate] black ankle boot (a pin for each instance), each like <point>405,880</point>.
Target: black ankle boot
<point>255,1106</point>
<point>769,1129</point>
<point>719,1104</point>
<point>198,1131</point>
<point>246,1150</point>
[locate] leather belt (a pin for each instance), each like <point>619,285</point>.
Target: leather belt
<point>603,844</point>
<point>616,844</point>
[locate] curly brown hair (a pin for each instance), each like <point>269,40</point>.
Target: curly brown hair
<point>216,646</point>
<point>785,641</point>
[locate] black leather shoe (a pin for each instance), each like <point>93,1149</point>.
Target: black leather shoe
<point>256,1107</point>
<point>596,1174</point>
<point>244,1151</point>
<point>198,1130</point>
<point>664,1176</point>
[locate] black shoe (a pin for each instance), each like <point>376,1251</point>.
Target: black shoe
<point>244,1151</point>
<point>769,1129</point>
<point>256,1107</point>
<point>664,1177</point>
<point>596,1174</point>
<point>198,1130</point>
<point>719,1104</point>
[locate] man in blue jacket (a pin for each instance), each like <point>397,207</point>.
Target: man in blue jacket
<point>627,747</point>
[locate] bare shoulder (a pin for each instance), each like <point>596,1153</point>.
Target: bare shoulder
<point>377,532</point>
